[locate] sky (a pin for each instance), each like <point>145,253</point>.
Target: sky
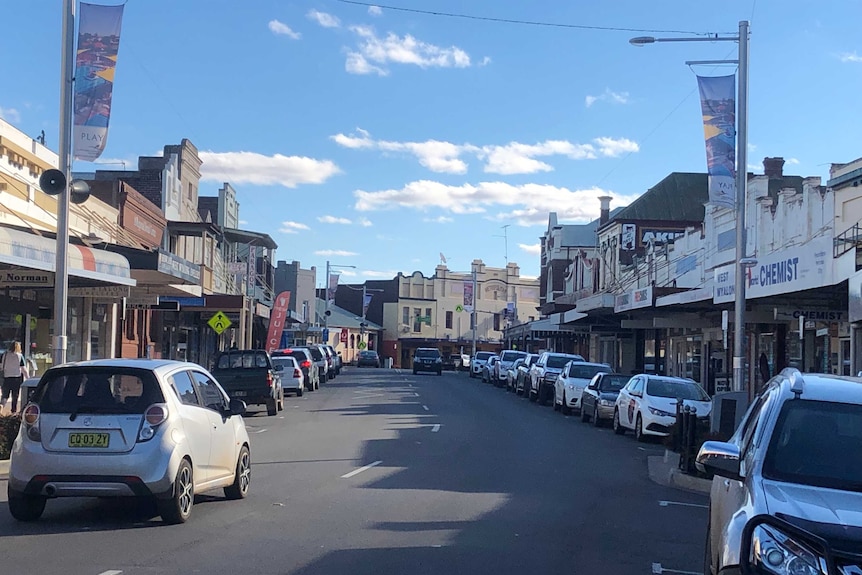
<point>388,140</point>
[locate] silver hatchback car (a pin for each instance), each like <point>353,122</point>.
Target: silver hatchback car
<point>787,496</point>
<point>156,429</point>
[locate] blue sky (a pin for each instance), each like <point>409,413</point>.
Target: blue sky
<point>382,139</point>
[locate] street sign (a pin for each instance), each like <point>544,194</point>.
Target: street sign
<point>325,335</point>
<point>344,335</point>
<point>361,345</point>
<point>219,322</point>
<point>459,308</point>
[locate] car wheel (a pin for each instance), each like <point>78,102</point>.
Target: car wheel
<point>280,404</point>
<point>439,372</point>
<point>565,407</point>
<point>618,428</point>
<point>242,479</point>
<point>707,552</point>
<point>585,417</point>
<point>554,404</point>
<point>299,392</point>
<point>533,395</point>
<point>415,372</point>
<point>271,406</point>
<point>596,421</point>
<point>639,429</point>
<point>24,507</point>
<point>178,508</point>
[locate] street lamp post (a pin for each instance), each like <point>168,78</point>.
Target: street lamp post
<point>327,313</point>
<point>741,182</point>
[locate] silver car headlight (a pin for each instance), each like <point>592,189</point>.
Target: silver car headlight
<point>774,552</point>
<point>606,403</point>
<point>661,413</point>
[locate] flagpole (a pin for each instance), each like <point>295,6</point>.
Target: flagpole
<point>61,277</point>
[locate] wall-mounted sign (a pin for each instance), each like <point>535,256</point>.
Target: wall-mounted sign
<point>629,237</point>
<point>635,299</point>
<point>22,277</point>
<point>110,292</point>
<point>178,267</point>
<point>659,236</point>
<point>810,314</point>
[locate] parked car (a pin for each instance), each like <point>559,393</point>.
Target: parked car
<point>306,363</point>
<point>337,361</point>
<point>478,362</point>
<point>488,369</point>
<point>647,404</point>
<point>320,361</point>
<point>427,359</point>
<point>248,374</point>
<point>512,373</point>
<point>290,374</point>
<point>600,396</point>
<point>330,361</point>
<point>156,429</point>
<point>522,382</point>
<point>451,361</point>
<point>543,374</point>
<point>507,358</point>
<point>465,362</point>
<point>571,382</point>
<point>368,358</point>
<point>787,489</point>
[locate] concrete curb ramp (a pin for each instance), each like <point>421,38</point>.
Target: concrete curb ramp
<point>664,470</point>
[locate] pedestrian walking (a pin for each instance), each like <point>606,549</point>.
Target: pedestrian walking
<point>14,371</point>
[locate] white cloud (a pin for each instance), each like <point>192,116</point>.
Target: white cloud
<point>11,115</point>
<point>324,19</point>
<point>292,227</point>
<point>608,96</point>
<point>243,222</point>
<point>340,253</point>
<point>364,222</point>
<point>374,52</point>
<point>512,158</point>
<point>439,220</point>
<point>850,57</point>
<point>375,11</point>
<point>333,220</point>
<point>349,273</point>
<point>527,204</point>
<point>258,169</point>
<point>793,161</point>
<point>752,147</point>
<point>283,29</point>
<point>379,274</point>
<point>532,249</point>
<point>485,61</point>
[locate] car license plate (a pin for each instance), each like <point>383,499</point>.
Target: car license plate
<point>239,394</point>
<point>89,439</point>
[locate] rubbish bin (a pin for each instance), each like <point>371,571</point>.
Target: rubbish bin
<point>387,363</point>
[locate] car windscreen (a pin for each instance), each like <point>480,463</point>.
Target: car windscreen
<point>316,354</point>
<point>101,390</point>
<point>586,371</point>
<point>558,361</point>
<point>531,359</point>
<point>427,353</point>
<point>368,354</point>
<point>242,360</point>
<point>817,443</point>
<point>611,383</point>
<point>285,360</point>
<point>512,355</point>
<point>676,389</point>
<point>484,355</point>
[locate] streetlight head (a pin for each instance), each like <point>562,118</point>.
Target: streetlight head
<point>641,40</point>
<point>748,262</point>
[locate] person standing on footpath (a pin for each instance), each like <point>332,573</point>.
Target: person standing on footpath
<point>14,371</point>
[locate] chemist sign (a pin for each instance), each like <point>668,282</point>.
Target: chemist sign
<point>796,268</point>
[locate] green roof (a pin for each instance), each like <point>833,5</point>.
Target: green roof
<point>679,197</point>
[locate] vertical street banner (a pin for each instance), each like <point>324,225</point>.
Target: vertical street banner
<point>468,296</point>
<point>252,270</point>
<point>718,104</point>
<point>276,320</point>
<point>366,302</point>
<point>332,287</point>
<point>96,62</point>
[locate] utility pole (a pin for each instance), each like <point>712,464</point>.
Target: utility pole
<point>473,314</point>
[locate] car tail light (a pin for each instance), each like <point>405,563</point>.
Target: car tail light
<point>306,364</point>
<point>269,379</point>
<point>31,422</point>
<point>297,373</point>
<point>154,416</point>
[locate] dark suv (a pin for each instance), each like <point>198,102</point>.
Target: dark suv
<point>427,359</point>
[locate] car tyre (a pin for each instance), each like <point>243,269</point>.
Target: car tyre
<point>533,395</point>
<point>597,422</point>
<point>25,507</point>
<point>271,406</point>
<point>554,404</point>
<point>639,429</point>
<point>299,392</point>
<point>585,417</point>
<point>618,428</point>
<point>707,551</point>
<point>178,508</point>
<point>280,403</point>
<point>242,478</point>
<point>565,407</point>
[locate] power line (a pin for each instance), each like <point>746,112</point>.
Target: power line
<point>522,22</point>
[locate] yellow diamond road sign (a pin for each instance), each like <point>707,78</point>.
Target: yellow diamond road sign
<point>219,322</point>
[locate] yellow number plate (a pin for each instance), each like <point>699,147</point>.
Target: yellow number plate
<point>89,439</point>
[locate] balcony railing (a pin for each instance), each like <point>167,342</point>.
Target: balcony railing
<point>847,240</point>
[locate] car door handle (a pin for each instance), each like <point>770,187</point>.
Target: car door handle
<point>727,483</point>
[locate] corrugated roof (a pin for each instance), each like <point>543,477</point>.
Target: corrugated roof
<point>342,318</point>
<point>679,197</point>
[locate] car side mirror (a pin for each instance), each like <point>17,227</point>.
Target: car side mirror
<point>237,407</point>
<point>637,394</point>
<point>720,458</point>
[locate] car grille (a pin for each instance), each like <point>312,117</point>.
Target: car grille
<point>659,428</point>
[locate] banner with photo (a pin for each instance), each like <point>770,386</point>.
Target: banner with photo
<point>96,62</point>
<point>468,296</point>
<point>365,303</point>
<point>332,287</point>
<point>718,105</point>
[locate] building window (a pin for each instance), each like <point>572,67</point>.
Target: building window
<point>496,322</point>
<point>405,316</point>
<point>417,325</point>
<point>427,317</point>
<point>449,316</point>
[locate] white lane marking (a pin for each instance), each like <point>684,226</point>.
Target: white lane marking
<point>681,504</point>
<point>360,470</point>
<point>415,394</point>
<point>111,572</point>
<point>281,417</point>
<point>657,569</point>
<point>425,407</point>
<point>259,431</point>
<point>436,428</point>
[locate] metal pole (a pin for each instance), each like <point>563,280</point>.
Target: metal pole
<point>61,277</point>
<point>741,194</point>
<point>473,315</point>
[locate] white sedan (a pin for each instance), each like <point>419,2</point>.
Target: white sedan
<point>570,384</point>
<point>647,404</point>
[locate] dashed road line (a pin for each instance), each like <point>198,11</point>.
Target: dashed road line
<point>657,569</point>
<point>425,407</point>
<point>681,504</point>
<point>436,428</point>
<point>361,469</point>
<point>111,572</point>
<point>259,430</point>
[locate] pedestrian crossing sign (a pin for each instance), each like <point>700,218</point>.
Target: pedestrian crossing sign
<point>219,322</point>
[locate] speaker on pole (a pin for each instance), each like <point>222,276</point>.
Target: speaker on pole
<point>52,182</point>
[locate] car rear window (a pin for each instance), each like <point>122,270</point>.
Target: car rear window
<point>100,390</point>
<point>512,355</point>
<point>558,361</point>
<point>614,382</point>
<point>242,360</point>
<point>676,389</point>
<point>484,355</point>
<point>367,354</point>
<point>586,371</point>
<point>427,353</point>
<point>286,360</point>
<point>316,354</point>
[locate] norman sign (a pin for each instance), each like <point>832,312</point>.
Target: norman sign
<point>26,278</point>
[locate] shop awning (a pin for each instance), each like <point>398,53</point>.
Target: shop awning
<point>25,250</point>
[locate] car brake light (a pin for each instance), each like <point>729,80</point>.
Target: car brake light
<point>297,373</point>
<point>306,364</point>
<point>268,379</point>
<point>156,414</point>
<point>31,414</point>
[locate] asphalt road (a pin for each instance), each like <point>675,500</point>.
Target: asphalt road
<point>464,478</point>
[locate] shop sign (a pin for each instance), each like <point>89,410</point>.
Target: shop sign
<point>828,315</point>
<point>145,227</point>
<point>22,277</point>
<point>178,267</point>
<point>185,301</point>
<point>793,269</point>
<point>635,299</point>
<point>142,301</point>
<point>107,292</point>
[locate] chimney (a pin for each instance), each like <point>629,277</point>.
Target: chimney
<point>773,168</point>
<point>606,209</point>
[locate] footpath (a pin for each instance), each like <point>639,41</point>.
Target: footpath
<point>664,470</point>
